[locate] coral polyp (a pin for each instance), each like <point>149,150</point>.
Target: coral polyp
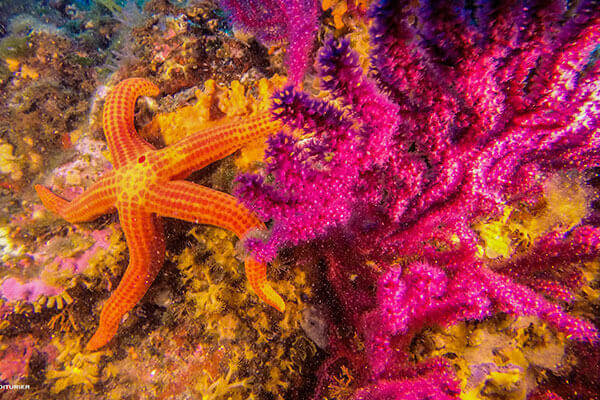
<point>420,177</point>
<point>469,111</point>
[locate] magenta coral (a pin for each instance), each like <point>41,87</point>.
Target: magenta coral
<point>274,21</point>
<point>428,381</point>
<point>468,108</point>
<point>564,254</point>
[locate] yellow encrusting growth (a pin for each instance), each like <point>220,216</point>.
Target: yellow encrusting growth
<point>498,358</point>
<point>214,295</point>
<point>565,203</point>
<point>339,9</point>
<point>212,103</point>
<point>74,370</point>
<point>9,163</point>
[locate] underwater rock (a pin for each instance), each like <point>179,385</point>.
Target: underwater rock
<point>315,326</point>
<point>180,47</point>
<point>399,199</point>
<point>46,95</point>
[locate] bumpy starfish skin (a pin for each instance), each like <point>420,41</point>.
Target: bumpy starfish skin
<point>146,184</point>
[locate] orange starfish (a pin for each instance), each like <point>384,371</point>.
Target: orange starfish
<point>146,184</point>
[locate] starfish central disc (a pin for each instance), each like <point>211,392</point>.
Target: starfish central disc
<point>147,184</point>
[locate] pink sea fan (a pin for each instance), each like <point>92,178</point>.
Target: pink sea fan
<point>469,107</point>
<point>274,21</point>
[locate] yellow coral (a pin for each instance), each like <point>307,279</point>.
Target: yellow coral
<point>209,273</point>
<point>35,161</point>
<point>58,301</point>
<point>23,70</point>
<point>497,237</point>
<point>28,72</point>
<point>507,384</point>
<point>220,243</point>
<point>234,102</point>
<point>566,203</point>
<point>74,371</point>
<point>351,25</point>
<point>222,387</point>
<point>9,164</point>
<point>237,100</point>
<point>360,42</point>
<point>591,274</point>
<point>13,64</point>
<point>174,126</point>
<point>498,358</point>
<point>339,10</point>
<point>342,388</point>
<point>8,247</point>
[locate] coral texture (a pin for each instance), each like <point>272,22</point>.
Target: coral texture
<point>432,199</point>
<point>199,331</point>
<point>276,20</point>
<point>469,109</point>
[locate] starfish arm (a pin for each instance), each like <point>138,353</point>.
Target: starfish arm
<point>117,120</point>
<point>98,199</point>
<point>145,239</point>
<point>190,202</point>
<point>209,145</point>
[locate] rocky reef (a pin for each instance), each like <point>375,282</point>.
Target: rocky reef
<point>431,200</point>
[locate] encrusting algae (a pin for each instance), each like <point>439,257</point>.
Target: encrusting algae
<point>251,339</point>
<point>199,331</point>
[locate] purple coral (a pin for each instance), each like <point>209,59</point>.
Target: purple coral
<point>467,109</point>
<point>553,265</point>
<point>274,21</point>
<point>428,381</point>
<point>317,187</point>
